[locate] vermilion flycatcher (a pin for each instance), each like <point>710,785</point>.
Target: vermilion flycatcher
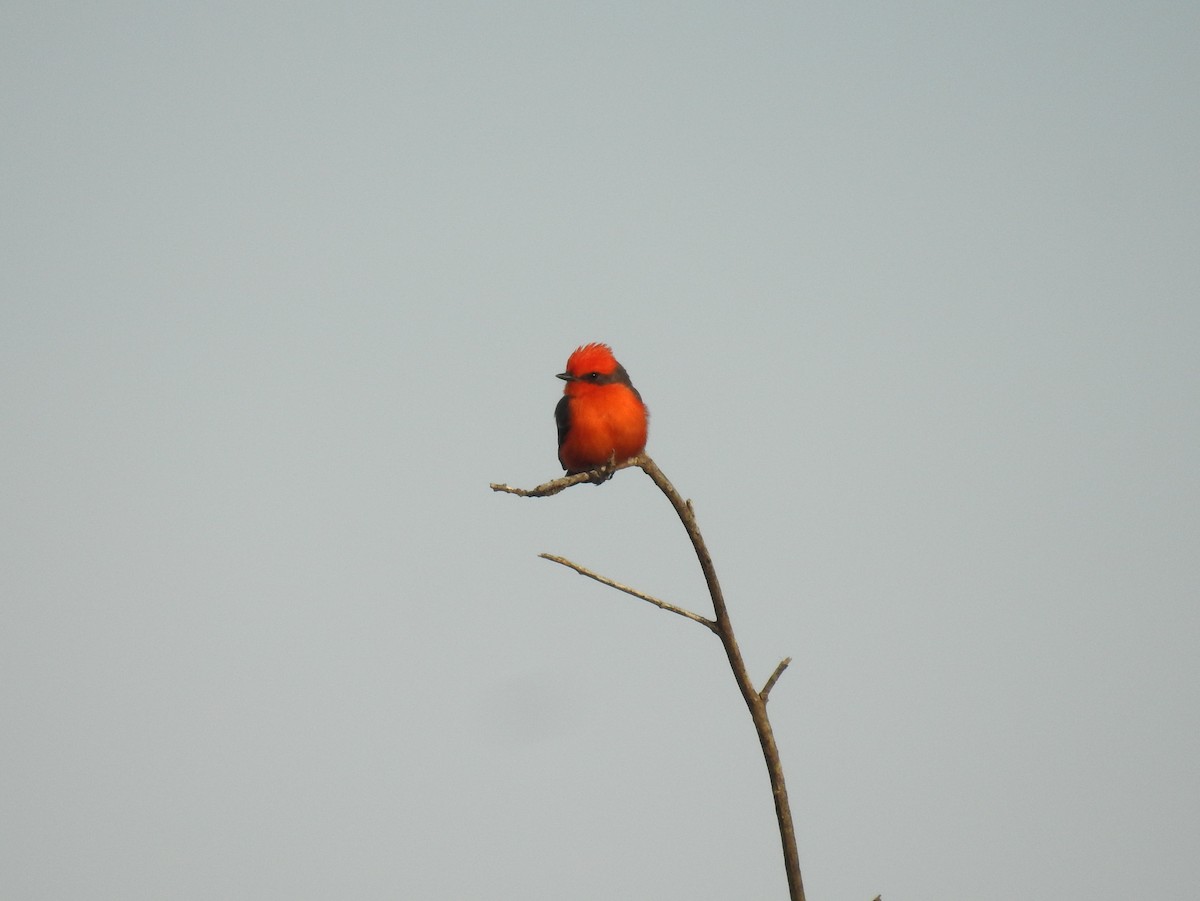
<point>601,416</point>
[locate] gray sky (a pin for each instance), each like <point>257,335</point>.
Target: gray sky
<point>912,292</point>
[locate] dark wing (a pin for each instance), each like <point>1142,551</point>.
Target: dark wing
<point>562,418</point>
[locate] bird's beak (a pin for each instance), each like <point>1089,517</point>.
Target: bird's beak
<point>565,376</point>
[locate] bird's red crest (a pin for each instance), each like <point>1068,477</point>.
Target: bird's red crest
<point>592,358</point>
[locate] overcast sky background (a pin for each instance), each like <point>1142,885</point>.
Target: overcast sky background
<point>912,291</point>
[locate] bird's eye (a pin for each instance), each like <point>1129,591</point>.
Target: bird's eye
<point>592,376</point>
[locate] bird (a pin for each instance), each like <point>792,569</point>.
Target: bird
<point>600,417</point>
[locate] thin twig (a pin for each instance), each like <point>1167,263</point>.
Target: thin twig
<point>664,605</point>
<point>766,689</point>
<point>554,486</point>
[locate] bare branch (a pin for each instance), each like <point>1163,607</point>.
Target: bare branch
<point>664,605</point>
<point>766,689</point>
<point>554,486</point>
<point>756,701</point>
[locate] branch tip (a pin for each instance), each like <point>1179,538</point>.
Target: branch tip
<point>766,689</point>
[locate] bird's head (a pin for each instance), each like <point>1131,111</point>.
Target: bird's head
<point>592,364</point>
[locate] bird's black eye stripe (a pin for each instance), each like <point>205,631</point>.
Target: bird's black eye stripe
<point>592,376</point>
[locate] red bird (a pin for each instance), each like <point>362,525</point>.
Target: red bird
<point>601,416</point>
